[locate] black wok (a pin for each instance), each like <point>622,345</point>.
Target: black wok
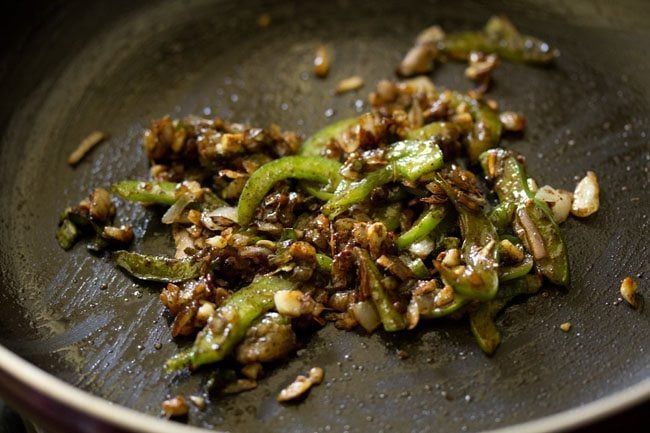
<point>69,68</point>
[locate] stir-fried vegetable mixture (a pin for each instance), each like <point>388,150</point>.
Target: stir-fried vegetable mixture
<point>408,213</point>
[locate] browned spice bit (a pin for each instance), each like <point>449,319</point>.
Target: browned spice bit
<point>122,235</point>
<point>349,84</point>
<point>418,60</point>
<point>92,140</point>
<point>239,385</point>
<point>566,326</point>
<point>176,406</point>
<point>430,35</point>
<point>493,104</point>
<point>513,122</point>
<point>628,291</point>
<point>100,207</point>
<point>264,20</point>
<point>481,66</point>
<point>322,62</point>
<point>253,371</point>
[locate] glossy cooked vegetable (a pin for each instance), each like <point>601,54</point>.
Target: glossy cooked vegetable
<point>298,167</point>
<point>380,220</point>
<point>406,160</point>
<point>478,278</point>
<point>229,323</point>
<point>501,37</point>
<point>533,220</point>
<point>158,268</point>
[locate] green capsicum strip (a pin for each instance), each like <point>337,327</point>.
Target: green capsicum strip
<point>389,215</point>
<point>158,268</point>
<point>533,222</point>
<point>416,266</point>
<point>446,132</point>
<point>298,167</point>
<point>428,309</point>
<point>479,278</point>
<point>421,228</point>
<point>315,144</point>
<point>391,319</point>
<point>499,36</point>
<point>314,189</point>
<point>162,193</point>
<point>507,273</point>
<point>483,327</point>
<point>407,160</point>
<point>526,285</point>
<point>487,128</point>
<point>502,215</point>
<point>324,262</point>
<point>229,323</point>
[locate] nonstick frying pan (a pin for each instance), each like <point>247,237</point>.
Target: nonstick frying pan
<point>69,68</point>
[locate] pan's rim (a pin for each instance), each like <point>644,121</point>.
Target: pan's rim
<point>41,384</point>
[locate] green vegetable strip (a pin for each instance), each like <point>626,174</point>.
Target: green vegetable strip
<point>146,192</point>
<point>228,325</point>
<point>507,273</point>
<point>324,262</point>
<point>533,223</point>
<point>315,144</point>
<point>391,319</point>
<point>483,327</point>
<point>486,131</point>
<point>501,37</point>
<point>540,234</point>
<point>526,285</point>
<point>502,215</point>
<point>417,266</point>
<point>67,234</point>
<point>430,311</point>
<point>355,192</point>
<point>389,215</point>
<point>446,132</point>
<point>479,280</point>
<point>158,268</point>
<point>163,193</point>
<point>424,225</point>
<point>407,160</point>
<point>299,167</point>
<point>315,190</point>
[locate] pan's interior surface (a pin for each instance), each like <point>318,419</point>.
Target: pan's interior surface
<point>114,67</point>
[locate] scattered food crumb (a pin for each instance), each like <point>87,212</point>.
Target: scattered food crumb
<point>512,121</point>
<point>301,385</point>
<point>349,84</point>
<point>586,197</point>
<point>198,401</point>
<point>252,371</point>
<point>239,385</point>
<point>176,406</point>
<point>264,20</point>
<point>403,354</point>
<point>628,291</point>
<point>566,326</point>
<point>322,62</point>
<point>92,140</point>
